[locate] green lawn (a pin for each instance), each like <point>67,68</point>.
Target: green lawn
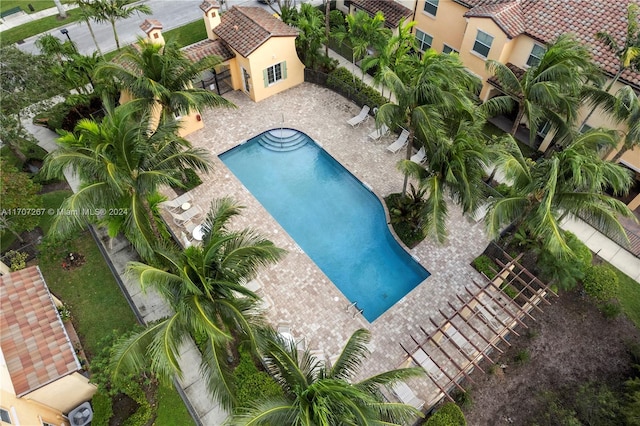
<point>171,409</point>
<point>629,297</point>
<point>14,35</point>
<point>187,34</point>
<point>97,305</point>
<point>51,200</point>
<point>38,5</point>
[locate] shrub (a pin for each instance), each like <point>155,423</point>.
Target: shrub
<point>601,282</point>
<point>190,179</point>
<point>253,384</point>
<point>565,272</point>
<point>17,259</point>
<point>509,290</point>
<point>611,309</point>
<point>343,81</point>
<point>522,357</point>
<point>447,415</point>
<point>102,409</point>
<point>485,265</point>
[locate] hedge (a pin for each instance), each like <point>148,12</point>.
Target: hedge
<point>344,82</point>
<point>447,415</point>
<point>601,282</point>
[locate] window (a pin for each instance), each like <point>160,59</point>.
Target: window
<point>4,416</point>
<point>424,40</point>
<point>275,73</point>
<point>448,49</point>
<point>431,6</point>
<point>536,55</point>
<point>482,44</point>
<point>47,424</point>
<point>543,129</point>
<point>585,128</point>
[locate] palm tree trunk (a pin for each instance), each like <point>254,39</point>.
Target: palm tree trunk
<point>62,12</point>
<point>518,119</point>
<point>408,157</point>
<point>619,154</point>
<point>93,36</point>
<point>327,9</point>
<point>115,33</point>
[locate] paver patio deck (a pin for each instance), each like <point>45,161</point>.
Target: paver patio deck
<point>302,295</point>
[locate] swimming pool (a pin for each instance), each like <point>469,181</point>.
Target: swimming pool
<point>332,216</point>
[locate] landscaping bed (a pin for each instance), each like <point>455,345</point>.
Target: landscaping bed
<point>570,344</point>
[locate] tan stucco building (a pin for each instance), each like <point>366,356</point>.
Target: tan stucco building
<point>257,49</point>
<point>41,378</point>
<point>515,32</point>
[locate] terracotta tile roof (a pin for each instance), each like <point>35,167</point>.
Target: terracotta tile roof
<point>34,343</point>
<point>546,20</point>
<point>150,24</point>
<point>205,48</point>
<point>517,71</point>
<point>393,11</point>
<point>208,5</point>
<point>247,28</point>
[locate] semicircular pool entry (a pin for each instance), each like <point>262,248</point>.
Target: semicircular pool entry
<point>337,221</point>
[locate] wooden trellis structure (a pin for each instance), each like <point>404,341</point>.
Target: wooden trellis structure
<point>472,327</point>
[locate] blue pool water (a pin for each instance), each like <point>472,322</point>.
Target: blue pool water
<point>330,214</point>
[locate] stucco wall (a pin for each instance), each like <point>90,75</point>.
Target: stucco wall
<point>275,50</point>
<point>446,27</point>
<point>25,412</point>
<point>65,393</point>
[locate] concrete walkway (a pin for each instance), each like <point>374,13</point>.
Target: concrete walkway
<point>149,305</point>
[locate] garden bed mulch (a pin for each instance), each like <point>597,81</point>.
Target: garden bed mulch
<point>571,343</point>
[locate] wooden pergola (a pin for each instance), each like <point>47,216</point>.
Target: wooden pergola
<point>472,327</point>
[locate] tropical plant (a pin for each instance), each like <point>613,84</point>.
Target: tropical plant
<point>627,109</point>
<point>550,91</point>
<point>572,181</point>
<point>121,164</point>
<point>310,22</point>
<point>203,286</point>
<point>318,393</point>
<point>456,157</point>
<point>159,78</point>
<point>363,32</point>
<point>51,45</point>
<point>392,54</point>
<point>19,200</point>
<point>285,9</point>
<point>113,10</point>
<point>89,12</point>
<point>62,12</point>
<point>439,86</point>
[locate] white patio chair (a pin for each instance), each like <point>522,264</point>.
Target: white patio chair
<point>176,203</point>
<point>459,340</point>
<point>379,132</point>
<point>427,364</point>
<point>362,116</point>
<point>404,393</point>
<point>419,157</point>
<point>184,217</point>
<point>486,313</point>
<point>400,143</point>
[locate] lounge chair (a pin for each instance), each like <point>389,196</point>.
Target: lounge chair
<point>379,132</point>
<point>404,393</point>
<point>459,340</point>
<point>182,218</point>
<point>176,203</point>
<point>427,364</point>
<point>419,157</point>
<point>361,117</point>
<point>400,142</point>
<point>489,315</point>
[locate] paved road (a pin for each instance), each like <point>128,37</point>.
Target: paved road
<point>171,14</point>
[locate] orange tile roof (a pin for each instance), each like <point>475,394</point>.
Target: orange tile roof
<point>546,20</point>
<point>246,28</point>
<point>34,343</point>
<point>207,47</point>
<point>393,11</point>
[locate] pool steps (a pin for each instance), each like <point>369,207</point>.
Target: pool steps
<point>282,140</point>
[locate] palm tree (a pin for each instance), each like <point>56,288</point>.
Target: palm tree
<point>159,78</point>
<point>426,90</point>
<point>628,110</point>
<point>363,32</point>
<point>309,21</point>
<point>62,12</point>
<point>571,181</point>
<point>89,12</point>
<point>547,92</point>
<point>203,286</point>
<point>456,159</point>
<point>121,164</point>
<point>392,54</point>
<point>317,393</point>
<point>628,54</point>
<point>113,10</point>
